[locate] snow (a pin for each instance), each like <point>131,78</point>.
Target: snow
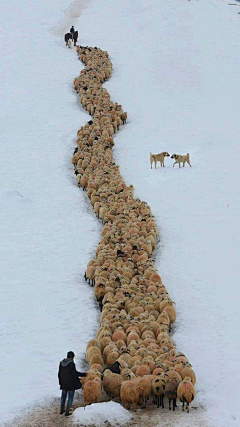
<point>99,413</point>
<point>177,74</point>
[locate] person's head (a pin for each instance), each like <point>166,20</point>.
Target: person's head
<point>70,355</point>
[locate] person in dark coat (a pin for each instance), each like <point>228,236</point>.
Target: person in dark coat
<point>69,381</point>
<point>72,31</point>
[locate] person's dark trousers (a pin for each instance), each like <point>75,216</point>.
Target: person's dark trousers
<point>70,394</point>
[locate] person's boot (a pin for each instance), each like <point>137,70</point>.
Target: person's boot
<point>67,412</point>
<point>62,410</point>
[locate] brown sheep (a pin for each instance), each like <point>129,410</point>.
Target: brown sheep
<point>187,371</point>
<point>158,387</point>
<point>144,389</point>
<point>91,351</point>
<point>129,394</point>
<point>137,311</point>
<point>112,384</point>
<point>91,391</point>
<point>171,392</point>
<point>186,392</point>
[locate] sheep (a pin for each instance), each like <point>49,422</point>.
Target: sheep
<point>112,357</point>
<point>142,370</point>
<point>144,389</point>
<point>187,371</point>
<point>172,374</point>
<point>91,391</point>
<point>96,358</point>
<point>170,311</point>
<point>171,392</point>
<point>186,392</point>
<point>137,312</point>
<point>129,394</point>
<point>119,335</point>
<point>91,351</point>
<point>93,342</point>
<point>158,387</point>
<point>112,384</point>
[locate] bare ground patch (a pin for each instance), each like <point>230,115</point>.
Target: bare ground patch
<point>48,416</point>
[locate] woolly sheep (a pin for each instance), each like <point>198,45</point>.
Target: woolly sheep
<point>158,388</point>
<point>129,290</point>
<point>186,392</point>
<point>171,392</point>
<point>91,391</point>
<point>129,394</point>
<point>112,384</point>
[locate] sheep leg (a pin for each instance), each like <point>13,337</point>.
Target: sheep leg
<point>158,401</point>
<point>188,407</point>
<point>174,404</point>
<point>162,402</point>
<point>183,406</point>
<point>85,277</point>
<point>169,404</point>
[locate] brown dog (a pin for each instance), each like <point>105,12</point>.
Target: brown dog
<point>158,158</point>
<point>181,159</point>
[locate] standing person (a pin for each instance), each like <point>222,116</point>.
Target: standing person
<point>72,31</point>
<point>69,381</point>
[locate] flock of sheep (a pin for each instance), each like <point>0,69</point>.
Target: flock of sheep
<point>137,311</point>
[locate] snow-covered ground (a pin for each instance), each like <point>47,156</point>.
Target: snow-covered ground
<point>177,74</point>
<point>99,413</point>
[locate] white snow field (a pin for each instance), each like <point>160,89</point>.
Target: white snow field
<point>99,413</point>
<point>177,74</point>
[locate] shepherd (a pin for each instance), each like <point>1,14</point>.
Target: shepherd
<point>72,31</point>
<point>69,381</point>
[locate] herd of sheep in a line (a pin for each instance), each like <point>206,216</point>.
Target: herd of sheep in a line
<point>137,311</point>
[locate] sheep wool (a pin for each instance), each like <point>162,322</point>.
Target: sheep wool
<point>137,312</point>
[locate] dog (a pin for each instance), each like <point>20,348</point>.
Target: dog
<point>181,159</point>
<point>158,158</point>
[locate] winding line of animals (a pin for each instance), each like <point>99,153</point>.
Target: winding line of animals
<point>133,358</point>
